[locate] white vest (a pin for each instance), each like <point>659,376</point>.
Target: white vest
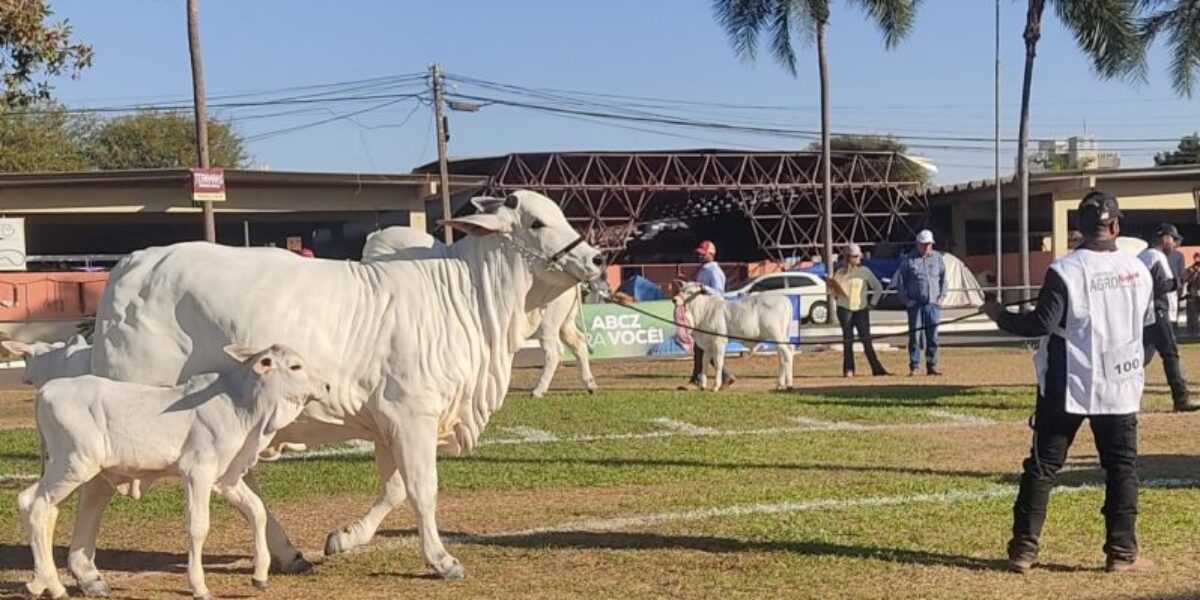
<point>1109,302</point>
<point>1149,257</point>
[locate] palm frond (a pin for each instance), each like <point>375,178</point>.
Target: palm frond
<point>1107,31</point>
<point>781,35</point>
<point>1180,20</point>
<point>894,18</point>
<point>742,20</point>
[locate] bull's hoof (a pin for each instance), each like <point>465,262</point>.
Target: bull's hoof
<point>203,597</point>
<point>259,584</point>
<point>336,543</point>
<point>539,393</point>
<point>592,389</point>
<point>453,571</point>
<point>96,588</point>
<point>296,566</point>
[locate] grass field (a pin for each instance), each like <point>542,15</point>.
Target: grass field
<point>868,488</point>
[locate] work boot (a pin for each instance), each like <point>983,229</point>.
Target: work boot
<point>728,381</point>
<point>1022,564</point>
<point>932,370</point>
<point>1138,564</point>
<point>912,371</point>
<point>1186,406</point>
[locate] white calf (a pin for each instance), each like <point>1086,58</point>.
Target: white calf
<point>754,317</point>
<point>45,361</point>
<point>208,431</point>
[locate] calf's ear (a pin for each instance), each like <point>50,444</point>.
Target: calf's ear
<point>240,353</point>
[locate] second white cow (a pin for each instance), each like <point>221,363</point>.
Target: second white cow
<point>552,325</point>
<point>49,360</point>
<point>754,318</point>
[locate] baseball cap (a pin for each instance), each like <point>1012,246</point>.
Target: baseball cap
<point>1168,229</point>
<point>925,237</point>
<point>854,250</point>
<point>706,247</point>
<point>1098,207</point>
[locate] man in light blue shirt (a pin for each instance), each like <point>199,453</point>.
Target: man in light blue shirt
<point>921,286</point>
<point>712,278</point>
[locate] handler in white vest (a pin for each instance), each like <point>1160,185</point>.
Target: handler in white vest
<point>1090,314</point>
<point>1161,335</point>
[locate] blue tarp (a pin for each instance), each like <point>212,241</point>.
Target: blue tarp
<point>641,289</point>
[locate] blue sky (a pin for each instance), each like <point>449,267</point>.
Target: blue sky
<point>938,83</point>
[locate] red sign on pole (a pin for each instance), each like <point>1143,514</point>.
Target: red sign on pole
<point>208,185</point>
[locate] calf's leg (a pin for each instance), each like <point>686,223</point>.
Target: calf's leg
<point>718,354</point>
<point>391,494</point>
<point>199,485</point>
<point>39,507</point>
<point>284,555</point>
<point>94,497</point>
<point>251,506</point>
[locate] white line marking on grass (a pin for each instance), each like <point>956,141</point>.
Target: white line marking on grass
<point>954,417</point>
<point>808,426</point>
<point>17,478</point>
<point>531,434</point>
<point>771,508</point>
<point>680,426</point>
<point>353,448</point>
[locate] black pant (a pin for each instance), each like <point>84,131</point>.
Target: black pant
<point>1161,337</point>
<point>1116,442</point>
<point>698,367</point>
<point>860,320</point>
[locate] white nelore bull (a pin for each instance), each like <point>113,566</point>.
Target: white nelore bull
<point>420,350</point>
<point>754,318</point>
<point>552,325</point>
<point>98,433</point>
<point>48,360</point>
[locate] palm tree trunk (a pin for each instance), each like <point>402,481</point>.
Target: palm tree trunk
<point>1033,31</point>
<point>826,169</point>
<point>826,177</point>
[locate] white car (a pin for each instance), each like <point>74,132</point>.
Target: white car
<point>810,288</point>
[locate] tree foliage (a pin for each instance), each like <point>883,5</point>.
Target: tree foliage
<point>160,140</point>
<point>1188,153</point>
<point>42,140</point>
<point>31,45</point>
<point>1179,22</point>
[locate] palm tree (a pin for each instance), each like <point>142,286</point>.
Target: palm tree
<point>1180,21</point>
<point>788,21</point>
<point>1107,32</point>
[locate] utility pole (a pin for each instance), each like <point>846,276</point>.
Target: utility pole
<point>435,74</point>
<point>193,25</point>
<point>999,190</point>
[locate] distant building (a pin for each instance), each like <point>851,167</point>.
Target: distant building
<point>1077,153</point>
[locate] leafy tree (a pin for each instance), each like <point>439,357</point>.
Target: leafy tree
<point>784,22</point>
<point>160,140</point>
<point>41,140</point>
<point>909,170</point>
<point>29,45</point>
<point>1187,154</point>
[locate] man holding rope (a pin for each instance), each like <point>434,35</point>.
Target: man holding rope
<point>712,278</point>
<point>1160,337</point>
<point>1090,315</point>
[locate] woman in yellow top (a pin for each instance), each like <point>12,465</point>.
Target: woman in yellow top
<point>856,291</point>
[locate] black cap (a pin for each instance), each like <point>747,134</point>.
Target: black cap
<point>1167,229</point>
<point>1098,207</point>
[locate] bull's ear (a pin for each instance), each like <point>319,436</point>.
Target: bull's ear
<point>15,347</point>
<point>483,223</point>
<point>240,353</point>
<point>488,204</point>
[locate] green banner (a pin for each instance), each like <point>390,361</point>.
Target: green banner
<point>614,331</point>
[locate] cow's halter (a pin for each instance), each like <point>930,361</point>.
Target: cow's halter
<point>551,263</point>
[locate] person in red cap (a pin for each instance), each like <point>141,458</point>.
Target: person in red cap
<point>712,278</point>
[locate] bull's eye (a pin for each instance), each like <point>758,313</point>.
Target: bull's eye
<point>295,367</point>
<point>537,224</point>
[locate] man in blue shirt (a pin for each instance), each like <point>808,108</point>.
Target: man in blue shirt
<point>921,287</point>
<point>712,278</point>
